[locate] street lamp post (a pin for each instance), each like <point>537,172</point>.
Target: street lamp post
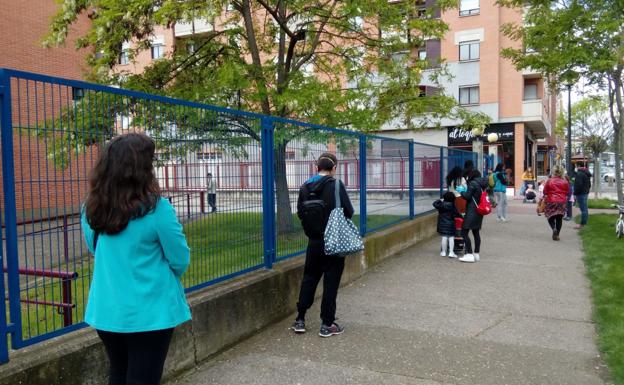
<point>569,149</point>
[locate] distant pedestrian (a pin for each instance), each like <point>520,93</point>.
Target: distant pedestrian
<point>468,167</point>
<point>582,185</point>
<point>211,190</point>
<point>319,192</point>
<point>136,298</point>
<point>500,192</point>
<point>527,178</point>
<point>556,194</point>
<point>473,220</point>
<point>447,212</point>
<point>457,184</point>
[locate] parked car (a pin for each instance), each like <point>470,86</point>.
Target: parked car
<point>609,173</point>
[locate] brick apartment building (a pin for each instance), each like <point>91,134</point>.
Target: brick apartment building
<point>521,108</point>
<point>41,187</point>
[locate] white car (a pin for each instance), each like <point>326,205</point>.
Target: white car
<point>610,174</point>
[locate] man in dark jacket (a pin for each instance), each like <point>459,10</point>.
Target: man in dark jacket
<point>582,185</point>
<point>318,264</point>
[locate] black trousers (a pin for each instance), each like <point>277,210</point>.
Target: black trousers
<point>318,264</point>
<point>556,222</point>
<point>468,244</point>
<point>212,201</point>
<point>136,358</point>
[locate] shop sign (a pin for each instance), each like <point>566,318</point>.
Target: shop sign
<point>458,136</point>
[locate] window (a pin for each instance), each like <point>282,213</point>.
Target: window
<point>212,155</point>
<point>422,91</point>
<point>422,54</point>
<point>530,91</point>
<point>124,58</point>
<point>469,51</point>
<point>468,7</point>
<point>190,48</point>
<point>421,13</point>
<point>158,51</point>
<point>77,94</point>
<point>468,95</point>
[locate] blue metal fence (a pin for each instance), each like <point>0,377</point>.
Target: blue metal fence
<point>52,130</point>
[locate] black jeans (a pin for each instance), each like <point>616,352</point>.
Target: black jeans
<point>468,244</point>
<point>212,202</point>
<point>318,264</point>
<point>136,358</point>
<point>555,222</point>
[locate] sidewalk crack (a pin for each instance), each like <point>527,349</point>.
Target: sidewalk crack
<point>499,321</point>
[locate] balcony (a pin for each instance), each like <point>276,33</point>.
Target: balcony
<point>535,118</point>
<point>193,27</point>
<point>530,73</point>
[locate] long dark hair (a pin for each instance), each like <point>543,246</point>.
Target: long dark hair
<point>499,168</point>
<point>454,175</point>
<point>122,185</point>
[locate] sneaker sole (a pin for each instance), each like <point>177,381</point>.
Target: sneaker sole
<point>330,334</point>
<point>299,331</point>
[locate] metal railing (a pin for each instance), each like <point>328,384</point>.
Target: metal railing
<point>52,130</point>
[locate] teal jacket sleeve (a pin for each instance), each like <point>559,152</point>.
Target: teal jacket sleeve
<point>87,231</point>
<point>172,238</point>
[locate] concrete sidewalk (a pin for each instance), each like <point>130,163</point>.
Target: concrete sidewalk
<point>520,316</point>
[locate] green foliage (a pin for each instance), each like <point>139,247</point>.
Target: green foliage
<point>258,54</point>
<point>568,39</point>
<point>605,269</point>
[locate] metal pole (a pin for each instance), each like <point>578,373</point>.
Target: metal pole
<point>569,149</point>
<point>362,185</point>
<point>268,195</point>
<point>10,217</point>
<point>410,168</point>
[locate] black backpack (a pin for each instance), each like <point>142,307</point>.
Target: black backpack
<point>312,214</point>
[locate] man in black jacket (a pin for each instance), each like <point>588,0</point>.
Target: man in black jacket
<point>317,264</point>
<point>582,185</point>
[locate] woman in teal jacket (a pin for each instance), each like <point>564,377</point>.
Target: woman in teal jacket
<point>136,297</point>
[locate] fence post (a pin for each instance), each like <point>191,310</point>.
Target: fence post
<point>268,194</point>
<point>363,184</point>
<point>441,171</point>
<point>8,181</point>
<point>410,168</point>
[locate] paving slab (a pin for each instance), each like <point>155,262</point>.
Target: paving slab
<point>520,316</point>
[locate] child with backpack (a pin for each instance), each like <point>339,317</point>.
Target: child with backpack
<point>447,212</point>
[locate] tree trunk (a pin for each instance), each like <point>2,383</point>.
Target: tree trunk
<point>285,223</point>
<point>618,129</point>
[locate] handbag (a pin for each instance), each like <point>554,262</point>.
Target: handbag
<point>341,236</point>
<point>541,206</point>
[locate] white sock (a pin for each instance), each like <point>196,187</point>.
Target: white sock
<point>451,241</point>
<point>444,244</point>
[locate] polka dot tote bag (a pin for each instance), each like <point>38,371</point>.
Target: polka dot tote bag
<point>341,235</point>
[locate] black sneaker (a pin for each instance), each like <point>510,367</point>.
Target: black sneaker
<point>328,331</point>
<point>298,326</point>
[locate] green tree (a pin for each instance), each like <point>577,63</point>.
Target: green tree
<point>258,55</point>
<point>571,38</point>
<point>592,127</point>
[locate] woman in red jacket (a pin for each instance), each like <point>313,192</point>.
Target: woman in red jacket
<point>556,195</point>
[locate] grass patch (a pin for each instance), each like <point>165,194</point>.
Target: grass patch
<point>221,244</point>
<point>604,258</point>
<point>601,203</point>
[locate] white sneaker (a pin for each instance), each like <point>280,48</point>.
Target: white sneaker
<point>443,254</point>
<point>498,219</point>
<point>452,255</point>
<point>476,257</point>
<point>504,219</point>
<point>467,258</point>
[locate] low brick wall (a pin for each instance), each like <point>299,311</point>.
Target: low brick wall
<point>223,315</point>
